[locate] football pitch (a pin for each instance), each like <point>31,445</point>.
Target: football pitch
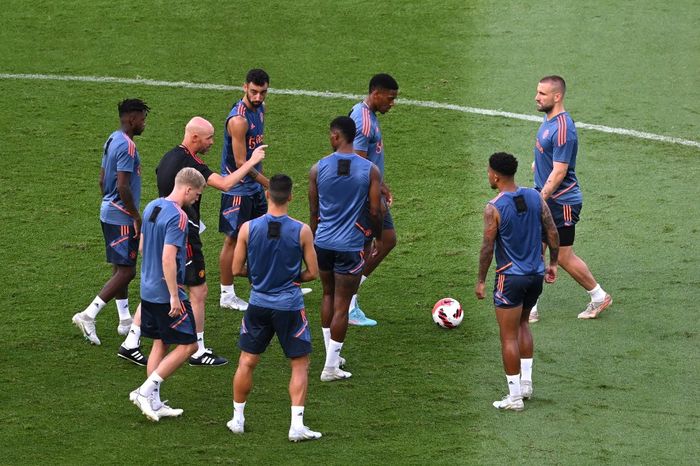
<point>621,389</point>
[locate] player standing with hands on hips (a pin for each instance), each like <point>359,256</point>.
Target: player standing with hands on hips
<point>514,222</point>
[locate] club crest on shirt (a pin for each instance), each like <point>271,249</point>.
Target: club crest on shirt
<point>546,133</point>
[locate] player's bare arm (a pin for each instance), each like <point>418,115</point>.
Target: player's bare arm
<point>240,254</point>
<point>306,239</point>
<point>554,180</point>
<point>237,128</point>
<point>552,240</point>
<point>491,220</point>
<point>170,275</point>
<point>313,199</point>
<point>225,183</point>
<point>125,194</point>
<point>101,181</point>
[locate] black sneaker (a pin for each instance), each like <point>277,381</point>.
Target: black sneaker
<point>134,355</point>
<point>208,358</point>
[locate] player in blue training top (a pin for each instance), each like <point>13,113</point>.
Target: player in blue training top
<point>514,221</point>
<point>368,142</point>
<point>274,247</point>
<point>555,150</point>
<point>120,184</point>
<point>341,186</point>
<point>166,313</point>
<point>243,132</point>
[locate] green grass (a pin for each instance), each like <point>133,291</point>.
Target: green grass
<point>619,390</point>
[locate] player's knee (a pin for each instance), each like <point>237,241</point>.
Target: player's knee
<point>126,274</point>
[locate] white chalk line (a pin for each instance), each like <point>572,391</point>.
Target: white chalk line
<point>339,95</point>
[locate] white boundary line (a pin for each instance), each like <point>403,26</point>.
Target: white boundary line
<point>338,95</point>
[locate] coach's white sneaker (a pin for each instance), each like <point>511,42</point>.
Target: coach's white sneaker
<point>526,389</point>
<point>231,301</point>
<point>163,410</point>
<point>124,326</point>
<point>515,404</point>
<point>144,404</point>
<point>305,291</point>
<point>299,435</point>
<point>87,326</point>
<point>329,375</point>
<point>236,426</point>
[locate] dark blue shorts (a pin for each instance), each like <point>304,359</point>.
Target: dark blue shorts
<point>236,210</point>
<point>121,245</point>
<point>259,324</point>
<point>341,262</point>
<point>366,226</point>
<point>564,215</point>
<point>158,325</point>
<point>516,290</point>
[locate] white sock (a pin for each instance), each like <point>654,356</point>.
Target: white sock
<point>534,308</point>
<point>326,336</point>
<point>156,395</point>
<point>153,381</point>
<point>362,280</point>
<point>132,338</point>
<point>514,385</point>
<point>95,307</point>
<point>526,369</point>
<point>297,417</point>
<point>333,354</point>
<point>200,345</point>
<point>353,301</point>
<point>123,308</point>
<point>597,293</point>
<point>228,289</point>
<point>238,412</point>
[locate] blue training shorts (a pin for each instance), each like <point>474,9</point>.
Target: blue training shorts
<point>158,325</point>
<point>516,290</point>
<point>120,243</point>
<point>259,324</point>
<point>341,262</point>
<point>236,210</point>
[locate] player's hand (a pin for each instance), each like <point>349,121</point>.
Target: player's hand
<point>176,308</point>
<point>137,227</point>
<point>386,193</point>
<point>533,166</point>
<point>550,274</point>
<point>258,154</point>
<point>376,247</point>
<point>480,290</point>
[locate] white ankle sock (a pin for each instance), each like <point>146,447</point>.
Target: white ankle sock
<point>597,294</point>
<point>200,345</point>
<point>228,289</point>
<point>238,412</point>
<point>333,354</point>
<point>153,381</point>
<point>297,417</point>
<point>132,338</point>
<point>95,307</point>
<point>514,385</point>
<point>123,308</point>
<point>326,336</point>
<point>526,369</point>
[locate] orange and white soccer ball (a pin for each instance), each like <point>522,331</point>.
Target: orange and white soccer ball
<point>447,313</point>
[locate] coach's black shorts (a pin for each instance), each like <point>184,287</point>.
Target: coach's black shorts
<point>121,245</point>
<point>195,269</point>
<point>158,325</point>
<point>341,262</point>
<point>516,290</point>
<point>259,324</point>
<point>236,210</point>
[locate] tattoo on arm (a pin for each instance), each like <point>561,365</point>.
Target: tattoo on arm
<point>490,232</point>
<point>552,236</point>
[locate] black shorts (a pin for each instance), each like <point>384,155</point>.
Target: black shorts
<point>259,324</point>
<point>195,269</point>
<point>236,210</point>
<point>341,262</point>
<point>516,290</point>
<point>121,246</point>
<point>158,325</point>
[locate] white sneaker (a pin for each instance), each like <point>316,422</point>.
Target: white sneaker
<point>515,404</point>
<point>124,326</point>
<point>166,411</point>
<point>144,405</point>
<point>341,362</point>
<point>305,291</point>
<point>595,308</point>
<point>87,326</point>
<point>534,316</point>
<point>235,426</point>
<point>303,434</point>
<point>526,389</point>
<point>231,301</point>
<point>334,374</point>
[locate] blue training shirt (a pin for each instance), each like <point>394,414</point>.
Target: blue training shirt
<point>164,222</point>
<point>254,137</point>
<point>368,135</point>
<point>119,155</point>
<point>274,262</point>
<point>519,240</point>
<point>343,186</point>
<point>557,141</point>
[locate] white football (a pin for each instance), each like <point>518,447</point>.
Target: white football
<point>447,313</point>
